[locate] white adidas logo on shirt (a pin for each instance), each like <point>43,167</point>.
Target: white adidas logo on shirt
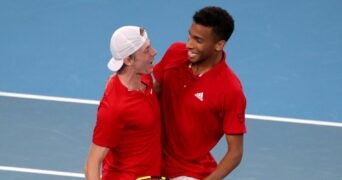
<point>199,96</point>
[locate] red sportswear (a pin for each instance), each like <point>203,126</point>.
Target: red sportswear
<point>128,122</point>
<point>197,111</point>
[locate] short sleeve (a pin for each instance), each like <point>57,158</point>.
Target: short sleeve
<point>234,113</point>
<point>158,69</point>
<point>174,54</point>
<point>109,125</point>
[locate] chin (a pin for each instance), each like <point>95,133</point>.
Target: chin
<point>193,60</point>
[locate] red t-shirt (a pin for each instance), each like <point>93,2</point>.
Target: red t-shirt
<point>128,122</point>
<point>197,111</point>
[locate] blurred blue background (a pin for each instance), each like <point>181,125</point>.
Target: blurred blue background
<point>288,54</point>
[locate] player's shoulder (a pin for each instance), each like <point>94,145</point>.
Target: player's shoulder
<point>229,79</point>
<point>110,84</point>
<point>177,49</point>
<point>175,54</point>
<point>114,88</point>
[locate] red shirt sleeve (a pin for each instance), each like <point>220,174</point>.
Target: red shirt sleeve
<point>109,125</point>
<point>175,53</point>
<point>234,113</point>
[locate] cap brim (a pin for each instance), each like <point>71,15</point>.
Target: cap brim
<point>115,64</point>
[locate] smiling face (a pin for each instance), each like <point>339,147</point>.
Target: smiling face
<point>202,44</point>
<point>143,58</point>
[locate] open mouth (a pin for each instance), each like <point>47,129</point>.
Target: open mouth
<point>191,54</point>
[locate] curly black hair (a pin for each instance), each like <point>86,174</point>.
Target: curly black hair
<point>217,18</point>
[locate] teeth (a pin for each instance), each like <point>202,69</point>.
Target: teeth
<point>191,54</point>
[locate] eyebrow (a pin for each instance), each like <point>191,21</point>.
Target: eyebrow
<point>148,46</point>
<point>196,37</point>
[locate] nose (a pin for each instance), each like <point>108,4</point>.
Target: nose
<point>153,52</point>
<point>189,43</point>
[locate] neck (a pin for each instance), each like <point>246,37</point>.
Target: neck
<point>206,65</point>
<point>131,81</point>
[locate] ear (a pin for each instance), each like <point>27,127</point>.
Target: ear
<point>128,61</point>
<point>220,45</point>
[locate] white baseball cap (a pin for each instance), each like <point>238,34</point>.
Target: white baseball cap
<point>124,42</point>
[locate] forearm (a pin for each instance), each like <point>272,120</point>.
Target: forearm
<point>94,161</point>
<point>92,171</point>
<point>229,162</point>
<point>231,159</point>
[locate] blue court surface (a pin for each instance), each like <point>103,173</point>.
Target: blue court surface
<point>288,55</point>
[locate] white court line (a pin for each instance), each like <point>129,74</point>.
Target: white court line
<point>41,171</point>
<point>93,102</point>
<point>248,116</point>
<point>293,120</point>
<point>48,98</point>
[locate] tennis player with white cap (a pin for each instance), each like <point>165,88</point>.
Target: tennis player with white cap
<point>124,42</point>
<point>126,137</point>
